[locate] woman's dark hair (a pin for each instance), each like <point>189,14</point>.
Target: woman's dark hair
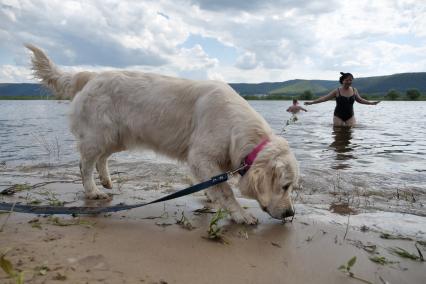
<point>344,76</point>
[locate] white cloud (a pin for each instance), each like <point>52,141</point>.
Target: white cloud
<point>274,40</point>
<point>10,73</point>
<point>247,61</point>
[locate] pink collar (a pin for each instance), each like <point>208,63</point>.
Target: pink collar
<point>249,159</point>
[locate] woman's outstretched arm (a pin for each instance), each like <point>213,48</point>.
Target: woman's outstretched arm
<point>359,99</point>
<point>322,99</point>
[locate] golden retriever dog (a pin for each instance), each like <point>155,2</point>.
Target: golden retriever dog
<point>204,123</point>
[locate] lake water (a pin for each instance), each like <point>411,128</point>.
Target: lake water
<point>384,155</point>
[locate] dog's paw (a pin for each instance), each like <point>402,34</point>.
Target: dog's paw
<point>106,184</point>
<point>97,195</point>
<point>243,217</point>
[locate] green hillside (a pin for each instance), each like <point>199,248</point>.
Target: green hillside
<point>378,85</point>
<point>368,86</point>
<point>398,82</point>
<point>300,86</point>
<point>23,91</point>
<point>260,88</point>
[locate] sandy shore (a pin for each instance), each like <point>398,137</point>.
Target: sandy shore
<point>147,245</point>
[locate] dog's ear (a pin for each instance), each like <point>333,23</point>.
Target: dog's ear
<point>276,171</point>
<point>256,178</point>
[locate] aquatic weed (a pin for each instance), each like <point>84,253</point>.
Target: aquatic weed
<point>369,247</point>
<point>35,223</point>
<point>346,268</point>
<point>215,231</point>
<point>405,254</point>
<point>388,236</point>
<point>381,260</point>
<point>10,271</point>
<point>184,223</point>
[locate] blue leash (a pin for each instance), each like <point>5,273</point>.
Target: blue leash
<point>75,210</point>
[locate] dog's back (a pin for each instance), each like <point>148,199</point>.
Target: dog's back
<point>162,113</point>
<point>131,109</point>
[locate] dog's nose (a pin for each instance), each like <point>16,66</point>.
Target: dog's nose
<point>288,213</point>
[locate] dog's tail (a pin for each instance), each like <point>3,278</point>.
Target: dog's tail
<point>64,85</point>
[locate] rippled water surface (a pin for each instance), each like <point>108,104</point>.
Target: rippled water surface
<point>386,150</point>
<point>389,138</point>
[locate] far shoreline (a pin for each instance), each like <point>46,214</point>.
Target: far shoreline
<point>248,98</point>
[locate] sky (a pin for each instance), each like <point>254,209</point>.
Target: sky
<point>233,41</point>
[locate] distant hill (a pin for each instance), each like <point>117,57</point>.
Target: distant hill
<point>23,90</point>
<point>295,87</point>
<point>379,85</point>
<point>255,89</point>
<point>399,82</point>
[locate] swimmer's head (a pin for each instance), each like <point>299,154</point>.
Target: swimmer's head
<point>345,76</point>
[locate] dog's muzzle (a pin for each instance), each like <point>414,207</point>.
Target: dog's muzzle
<point>288,213</point>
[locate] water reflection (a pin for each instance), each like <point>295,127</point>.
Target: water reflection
<point>342,146</point>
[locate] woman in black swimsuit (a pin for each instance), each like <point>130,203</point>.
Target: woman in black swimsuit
<point>345,97</point>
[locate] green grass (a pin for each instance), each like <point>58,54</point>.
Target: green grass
<point>347,269</point>
<point>381,260</point>
<point>9,269</point>
<point>405,254</point>
<point>215,231</point>
<point>26,98</point>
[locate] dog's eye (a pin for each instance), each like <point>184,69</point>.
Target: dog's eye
<point>286,187</point>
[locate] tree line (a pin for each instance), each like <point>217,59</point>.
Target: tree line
<point>392,95</point>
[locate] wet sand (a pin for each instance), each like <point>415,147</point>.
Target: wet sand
<point>147,245</point>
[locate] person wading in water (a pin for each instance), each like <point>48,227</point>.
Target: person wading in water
<point>345,97</point>
<point>295,108</point>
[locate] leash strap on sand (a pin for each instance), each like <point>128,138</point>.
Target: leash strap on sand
<point>75,210</point>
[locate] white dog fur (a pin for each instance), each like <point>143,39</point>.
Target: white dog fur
<point>204,123</point>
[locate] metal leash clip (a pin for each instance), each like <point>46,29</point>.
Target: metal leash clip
<point>241,167</point>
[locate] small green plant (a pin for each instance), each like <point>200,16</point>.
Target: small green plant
<point>42,269</point>
<point>15,188</point>
<point>35,223</point>
<point>215,231</point>
<point>388,236</point>
<point>346,268</point>
<point>184,223</point>
<point>8,268</point>
<point>405,254</point>
<point>381,260</point>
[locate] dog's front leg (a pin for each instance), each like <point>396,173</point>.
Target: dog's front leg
<point>220,194</point>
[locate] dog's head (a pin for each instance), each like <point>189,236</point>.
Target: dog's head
<point>271,179</point>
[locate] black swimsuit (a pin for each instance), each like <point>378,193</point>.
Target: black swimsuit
<point>344,106</point>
